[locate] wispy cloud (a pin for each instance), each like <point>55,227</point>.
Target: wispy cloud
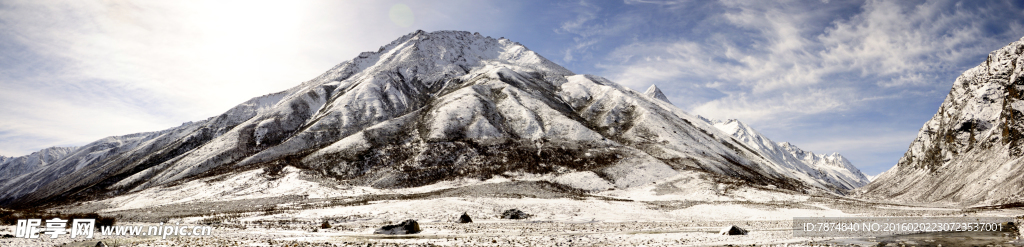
<point>591,26</point>
<point>790,62</point>
<point>774,64</point>
<point>579,26</point>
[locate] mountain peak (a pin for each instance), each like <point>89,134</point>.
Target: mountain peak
<point>655,92</point>
<point>430,57</point>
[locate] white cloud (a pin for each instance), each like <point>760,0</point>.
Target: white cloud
<point>89,69</point>
<point>590,28</point>
<point>585,13</point>
<point>657,2</point>
<point>891,39</point>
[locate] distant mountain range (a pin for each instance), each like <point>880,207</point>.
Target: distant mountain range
<point>970,152</point>
<point>13,167</point>
<point>431,107</point>
<point>831,168</point>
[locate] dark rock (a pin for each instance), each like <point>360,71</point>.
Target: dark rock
<point>406,227</point>
<point>732,230</point>
<point>100,244</point>
<point>465,218</point>
<point>514,214</point>
<point>1011,228</point>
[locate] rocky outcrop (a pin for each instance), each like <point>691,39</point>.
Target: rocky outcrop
<point>732,230</point>
<point>465,218</point>
<point>514,214</point>
<point>406,227</point>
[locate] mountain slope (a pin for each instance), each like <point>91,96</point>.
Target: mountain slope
<point>90,168</point>
<point>831,169</point>
<point>425,108</point>
<point>970,151</point>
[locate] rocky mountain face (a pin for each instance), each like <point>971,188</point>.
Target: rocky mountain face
<point>970,151</point>
<point>831,169</point>
<point>422,109</point>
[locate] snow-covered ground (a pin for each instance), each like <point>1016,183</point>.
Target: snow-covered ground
<point>683,210</point>
<point>555,222</point>
<point>256,184</point>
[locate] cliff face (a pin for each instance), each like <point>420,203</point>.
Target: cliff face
<point>970,151</point>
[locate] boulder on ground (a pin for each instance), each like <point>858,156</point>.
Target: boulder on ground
<point>732,230</point>
<point>100,244</point>
<point>465,218</point>
<point>406,227</point>
<point>514,214</point>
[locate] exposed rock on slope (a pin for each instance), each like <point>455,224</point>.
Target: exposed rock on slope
<point>425,108</point>
<point>970,151</point>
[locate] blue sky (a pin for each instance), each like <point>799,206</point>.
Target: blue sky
<point>855,77</point>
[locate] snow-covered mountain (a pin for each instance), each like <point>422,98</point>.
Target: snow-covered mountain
<point>12,167</point>
<point>970,151</point>
<point>872,178</point>
<point>655,92</point>
<point>426,108</point>
<point>831,169</point>
<point>835,168</point>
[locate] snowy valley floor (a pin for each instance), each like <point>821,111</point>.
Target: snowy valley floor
<point>249,210</point>
<point>555,222</point>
